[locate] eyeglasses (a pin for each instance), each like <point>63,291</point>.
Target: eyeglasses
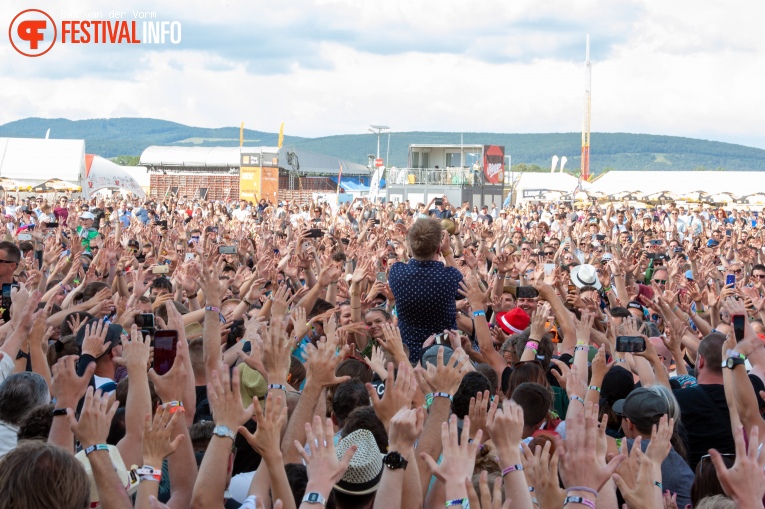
<point>7,261</point>
<point>549,253</point>
<point>759,276</point>
<point>660,281</point>
<point>737,271</point>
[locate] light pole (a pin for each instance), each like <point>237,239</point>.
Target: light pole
<point>378,129</point>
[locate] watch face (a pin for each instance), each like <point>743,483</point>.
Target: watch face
<point>393,460</point>
<point>313,497</point>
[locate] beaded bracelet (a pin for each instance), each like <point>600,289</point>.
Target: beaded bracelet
<point>577,398</point>
<point>96,447</point>
<point>579,500</point>
<point>511,468</point>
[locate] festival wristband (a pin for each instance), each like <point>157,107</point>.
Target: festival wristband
<point>593,388</point>
<point>511,468</point>
<point>462,502</point>
<point>583,488</point>
<point>216,310</point>
<point>430,397</point>
<point>582,349</point>
<point>579,500</point>
<point>147,473</point>
<point>735,354</point>
<point>96,447</point>
<point>478,313</point>
<point>173,406</point>
<point>277,386</point>
<point>577,398</point>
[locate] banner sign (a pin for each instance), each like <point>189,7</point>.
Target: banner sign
<point>494,163</point>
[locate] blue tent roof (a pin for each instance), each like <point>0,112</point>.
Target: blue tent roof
<point>353,186</point>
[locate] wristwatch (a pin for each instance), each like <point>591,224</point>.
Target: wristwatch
<point>314,498</point>
<point>394,461</point>
<point>224,431</point>
<point>732,362</point>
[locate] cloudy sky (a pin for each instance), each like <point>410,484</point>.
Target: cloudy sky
<point>691,68</point>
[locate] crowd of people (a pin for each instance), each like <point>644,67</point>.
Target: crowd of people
<point>185,353</point>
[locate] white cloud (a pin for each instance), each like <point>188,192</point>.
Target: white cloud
<point>686,68</point>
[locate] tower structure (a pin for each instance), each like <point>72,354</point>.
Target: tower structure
<point>586,120</point>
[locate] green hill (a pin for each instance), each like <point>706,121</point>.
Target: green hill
<point>620,151</point>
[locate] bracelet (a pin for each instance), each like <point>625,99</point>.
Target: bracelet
<point>217,310</point>
<point>657,483</point>
<point>173,406</point>
<point>735,354</point>
<point>96,447</point>
<point>147,473</point>
<point>277,386</point>
<point>593,388</point>
<point>458,501</point>
<point>192,296</point>
<point>581,349</point>
<point>583,488</point>
<point>478,313</point>
<point>579,500</point>
<point>446,253</point>
<point>576,398</point>
<point>619,359</point>
<point>511,468</point>
<point>58,412</point>
<point>246,302</point>
<point>430,397</point>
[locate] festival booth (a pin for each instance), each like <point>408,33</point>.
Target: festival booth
<point>101,174</point>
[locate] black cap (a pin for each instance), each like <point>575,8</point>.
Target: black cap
<point>617,384</point>
<point>113,334</point>
<point>643,407</point>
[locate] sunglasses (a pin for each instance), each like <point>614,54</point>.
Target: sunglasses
<point>728,455</point>
<point>7,261</point>
<point>738,271</point>
<point>759,276</point>
<point>549,253</point>
<point>660,281</point>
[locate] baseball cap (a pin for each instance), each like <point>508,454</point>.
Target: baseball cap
<point>430,355</point>
<point>607,257</point>
<point>643,407</point>
<point>617,384</point>
<point>87,215</point>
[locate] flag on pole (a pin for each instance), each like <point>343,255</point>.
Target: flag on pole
<point>339,176</point>
<point>281,136</point>
<point>241,134</point>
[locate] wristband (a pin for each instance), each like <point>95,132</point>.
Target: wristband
<point>593,388</point>
<point>581,348</point>
<point>430,397</point>
<point>58,411</point>
<point>173,406</point>
<point>192,295</point>
<point>735,354</point>
<point>147,473</point>
<point>576,398</point>
<point>478,313</point>
<point>511,468</point>
<point>463,502</point>
<point>583,488</point>
<point>216,310</point>
<point>657,483</point>
<point>277,386</point>
<point>446,253</point>
<point>96,447</point>
<point>579,500</point>
<point>619,359</point>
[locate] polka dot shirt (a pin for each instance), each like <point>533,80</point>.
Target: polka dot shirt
<point>425,295</point>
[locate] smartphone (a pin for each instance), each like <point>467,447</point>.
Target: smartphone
<point>165,349</point>
<point>315,233</point>
<point>24,236</point>
<point>526,292</point>
<point>211,229</point>
<point>600,236</point>
<point>572,289</point>
<point>52,225</point>
<point>188,257</point>
<point>438,202</point>
<point>730,279</point>
<point>441,339</point>
<point>738,326</point>
<point>549,268</point>
<point>227,250</point>
<point>381,277</point>
<point>656,242</point>
<point>728,233</point>
<point>7,288</point>
<point>145,321</point>
<point>376,222</point>
<point>162,223</point>
<point>161,269</point>
<point>630,344</point>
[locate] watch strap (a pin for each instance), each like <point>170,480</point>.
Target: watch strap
<point>224,431</point>
<point>314,498</point>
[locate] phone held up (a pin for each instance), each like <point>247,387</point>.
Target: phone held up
<point>165,350</point>
<point>630,344</point>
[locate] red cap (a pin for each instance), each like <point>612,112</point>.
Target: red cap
<point>514,321</point>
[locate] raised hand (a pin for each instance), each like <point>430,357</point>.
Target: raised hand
<point>158,443</point>
<point>225,400</point>
<point>398,394</point>
<point>95,418</point>
<point>744,482</point>
<point>541,469</point>
<point>322,464</point>
<point>267,437</point>
<point>68,388</point>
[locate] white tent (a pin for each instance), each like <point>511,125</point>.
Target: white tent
<point>31,161</point>
<point>101,173</point>
<point>541,186</point>
<point>736,183</point>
